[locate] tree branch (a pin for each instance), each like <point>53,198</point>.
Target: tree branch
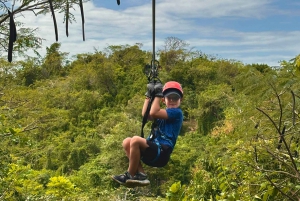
<point>280,106</point>
<point>22,8</point>
<point>286,164</point>
<point>294,103</point>
<point>274,124</point>
<point>283,193</point>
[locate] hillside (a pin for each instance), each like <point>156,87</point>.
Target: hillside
<point>62,124</point>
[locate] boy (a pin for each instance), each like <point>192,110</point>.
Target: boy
<point>154,151</point>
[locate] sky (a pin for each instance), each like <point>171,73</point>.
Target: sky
<point>249,31</point>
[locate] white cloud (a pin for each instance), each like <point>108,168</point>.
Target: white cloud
<point>131,25</point>
<point>216,8</point>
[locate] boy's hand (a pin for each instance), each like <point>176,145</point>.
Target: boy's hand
<point>158,87</point>
<point>150,89</point>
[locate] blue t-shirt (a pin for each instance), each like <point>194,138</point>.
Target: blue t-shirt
<point>169,129</point>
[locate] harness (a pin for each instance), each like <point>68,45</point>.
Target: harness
<point>157,155</point>
<point>153,137</point>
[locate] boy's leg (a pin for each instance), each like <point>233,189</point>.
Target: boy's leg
<point>137,177</point>
<point>126,146</point>
<point>137,144</point>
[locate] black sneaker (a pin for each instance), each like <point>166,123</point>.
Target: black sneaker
<point>121,179</point>
<point>140,176</point>
<point>140,179</point>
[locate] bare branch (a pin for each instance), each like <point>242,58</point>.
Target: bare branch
<point>6,134</point>
<point>29,127</point>
<point>5,34</point>
<point>282,137</point>
<point>294,103</point>
<point>280,105</point>
<point>22,8</point>
<point>13,5</point>
<point>283,193</point>
<point>283,162</point>
<point>274,124</point>
<point>291,156</point>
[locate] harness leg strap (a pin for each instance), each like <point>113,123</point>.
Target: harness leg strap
<point>158,152</point>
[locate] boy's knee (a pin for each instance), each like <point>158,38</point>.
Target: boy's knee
<point>126,142</point>
<point>136,140</point>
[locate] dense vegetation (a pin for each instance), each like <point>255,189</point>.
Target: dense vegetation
<point>62,123</point>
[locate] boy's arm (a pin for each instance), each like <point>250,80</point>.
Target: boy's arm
<point>146,102</point>
<point>150,90</point>
<point>156,112</point>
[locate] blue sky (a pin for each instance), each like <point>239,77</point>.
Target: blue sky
<point>256,31</point>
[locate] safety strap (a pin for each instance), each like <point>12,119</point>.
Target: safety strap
<point>155,128</point>
<point>145,117</point>
<point>158,152</point>
<point>157,155</point>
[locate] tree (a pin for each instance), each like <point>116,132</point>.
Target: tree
<point>23,39</point>
<point>29,71</point>
<point>6,73</point>
<point>53,62</point>
<point>26,40</point>
<point>173,52</point>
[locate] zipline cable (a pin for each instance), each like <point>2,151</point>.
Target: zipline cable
<point>153,33</point>
<point>151,73</point>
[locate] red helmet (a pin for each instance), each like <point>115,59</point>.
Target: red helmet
<point>170,86</point>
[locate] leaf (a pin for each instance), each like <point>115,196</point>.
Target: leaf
<point>12,131</point>
<point>266,196</point>
<point>256,197</point>
<point>175,187</point>
<point>223,186</point>
<point>263,186</point>
<point>234,184</point>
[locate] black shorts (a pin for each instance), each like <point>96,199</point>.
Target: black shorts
<point>150,154</point>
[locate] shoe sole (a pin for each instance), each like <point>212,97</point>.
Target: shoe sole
<point>133,183</point>
<point>136,183</point>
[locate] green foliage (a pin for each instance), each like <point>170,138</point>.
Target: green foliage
<point>53,62</point>
<point>60,187</point>
<point>7,72</point>
<point>31,72</point>
<point>26,40</point>
<point>20,183</point>
<point>176,192</point>
<point>61,137</point>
